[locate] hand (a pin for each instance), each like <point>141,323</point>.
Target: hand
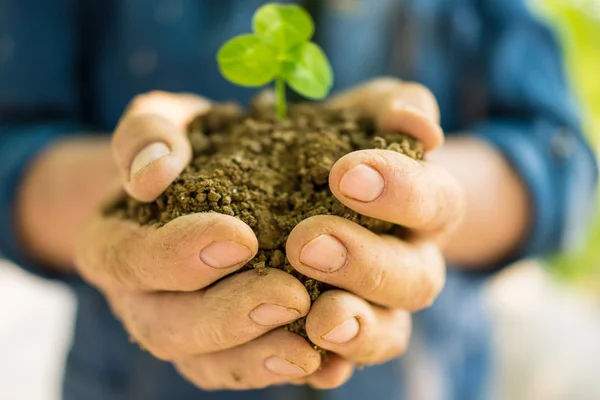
<point>161,282</point>
<point>62,187</point>
<point>381,278</point>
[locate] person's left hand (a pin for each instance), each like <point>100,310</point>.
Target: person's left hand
<point>381,278</point>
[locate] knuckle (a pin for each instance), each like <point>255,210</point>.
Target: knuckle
<point>375,281</point>
<point>211,336</point>
<point>382,159</point>
<point>169,243</point>
<point>399,167</point>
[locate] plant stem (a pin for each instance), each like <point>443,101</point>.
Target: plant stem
<point>280,103</point>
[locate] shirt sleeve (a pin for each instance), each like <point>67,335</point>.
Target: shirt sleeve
<point>532,120</point>
<point>38,97</point>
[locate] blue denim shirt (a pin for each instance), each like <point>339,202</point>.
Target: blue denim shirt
<point>70,66</point>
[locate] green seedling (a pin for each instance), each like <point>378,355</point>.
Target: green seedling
<point>279,50</point>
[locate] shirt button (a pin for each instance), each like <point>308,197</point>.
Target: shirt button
<point>142,62</point>
<point>562,144</point>
<point>168,12</point>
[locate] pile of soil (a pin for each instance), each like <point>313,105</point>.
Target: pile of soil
<point>271,174</point>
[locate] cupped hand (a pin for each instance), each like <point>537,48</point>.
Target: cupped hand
<point>381,278</point>
<point>162,282</point>
<point>168,285</point>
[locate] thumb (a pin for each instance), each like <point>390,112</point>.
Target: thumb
<point>150,144</point>
<point>405,107</point>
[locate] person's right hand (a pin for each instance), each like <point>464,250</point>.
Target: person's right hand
<point>160,282</point>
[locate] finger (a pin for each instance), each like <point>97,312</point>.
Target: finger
<point>406,107</point>
<point>381,269</point>
<point>275,358</point>
<point>150,144</point>
<point>390,186</point>
<point>234,311</point>
<point>362,333</point>
<point>188,253</point>
<point>334,372</point>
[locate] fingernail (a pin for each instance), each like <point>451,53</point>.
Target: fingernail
<point>344,332</point>
<point>147,156</point>
<point>271,314</point>
<point>362,183</point>
<point>279,366</point>
<point>324,253</point>
<point>224,254</point>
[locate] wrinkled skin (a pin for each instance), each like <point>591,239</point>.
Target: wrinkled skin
<point>225,336</point>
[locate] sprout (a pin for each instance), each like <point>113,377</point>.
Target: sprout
<point>280,49</point>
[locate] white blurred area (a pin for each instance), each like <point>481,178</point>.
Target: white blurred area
<point>547,337</point>
<point>36,319</point>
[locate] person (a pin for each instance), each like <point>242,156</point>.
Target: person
<point>514,179</point>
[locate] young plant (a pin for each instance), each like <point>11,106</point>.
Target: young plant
<point>279,49</point>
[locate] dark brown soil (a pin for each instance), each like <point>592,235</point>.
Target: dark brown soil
<point>271,174</point>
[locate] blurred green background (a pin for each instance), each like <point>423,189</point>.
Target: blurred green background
<point>577,22</point>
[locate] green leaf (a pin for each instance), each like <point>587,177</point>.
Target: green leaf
<point>246,61</point>
<point>308,71</point>
<point>283,26</point>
